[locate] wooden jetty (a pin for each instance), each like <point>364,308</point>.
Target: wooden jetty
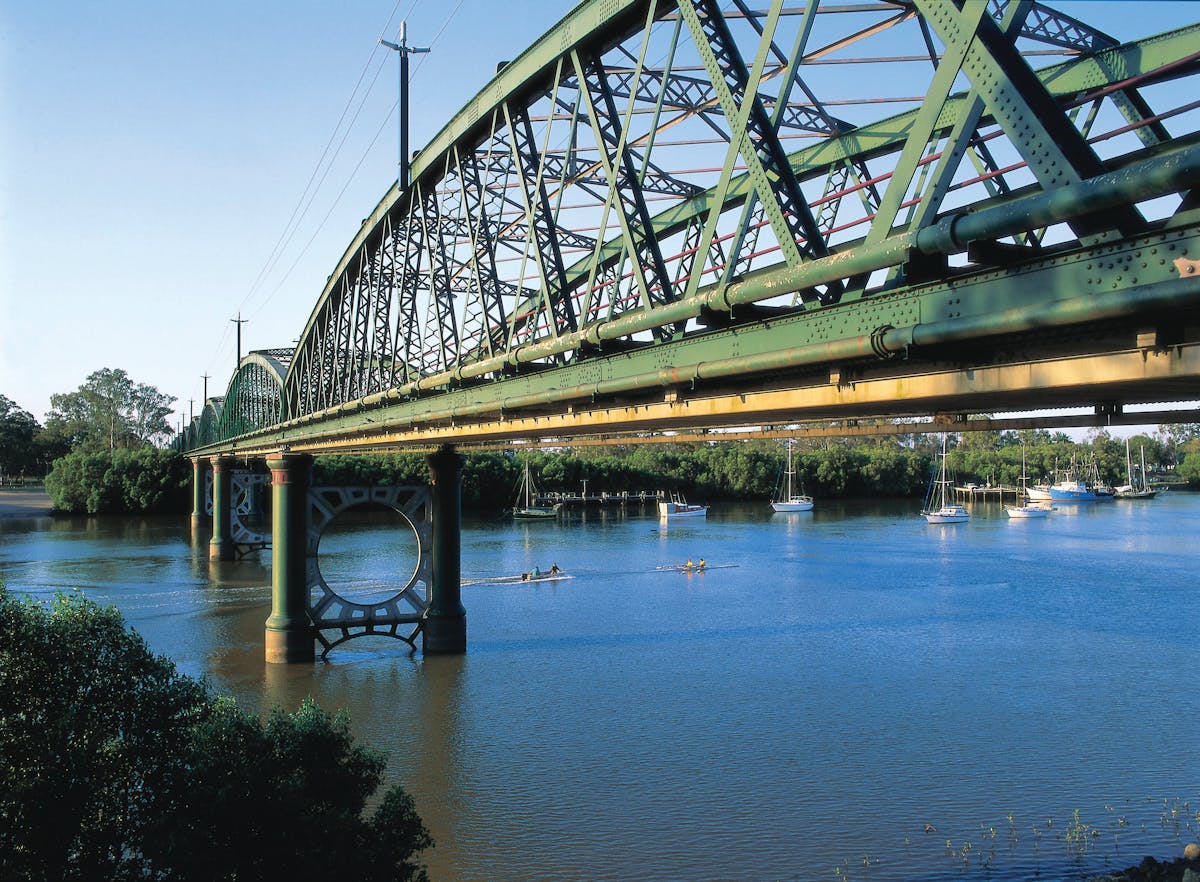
<point>985,492</point>
<point>624,497</point>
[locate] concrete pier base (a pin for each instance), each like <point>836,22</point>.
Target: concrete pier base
<point>444,636</point>
<point>289,642</point>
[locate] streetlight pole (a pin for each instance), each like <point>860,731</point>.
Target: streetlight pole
<point>404,50</point>
<point>205,376</point>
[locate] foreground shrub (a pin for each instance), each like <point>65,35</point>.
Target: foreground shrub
<point>114,766</point>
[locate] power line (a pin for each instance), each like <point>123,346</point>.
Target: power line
<point>309,192</point>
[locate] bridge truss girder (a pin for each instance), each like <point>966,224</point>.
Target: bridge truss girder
<point>601,204</point>
<point>934,348</point>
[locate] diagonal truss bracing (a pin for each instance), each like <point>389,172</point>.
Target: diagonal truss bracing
<point>649,165</point>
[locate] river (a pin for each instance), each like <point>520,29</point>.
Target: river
<point>848,693</point>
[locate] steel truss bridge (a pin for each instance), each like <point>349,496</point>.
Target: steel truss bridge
<point>687,216</point>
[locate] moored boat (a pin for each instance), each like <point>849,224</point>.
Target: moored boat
<point>678,507</point>
<point>1029,508</point>
<point>946,511</point>
<point>790,501</point>
<point>1069,490</point>
<point>524,509</point>
<point>1134,490</point>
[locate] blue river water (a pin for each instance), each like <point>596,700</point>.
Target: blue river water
<point>849,693</point>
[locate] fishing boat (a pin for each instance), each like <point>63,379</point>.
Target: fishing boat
<point>946,512</point>
<point>1070,489</point>
<point>524,508</point>
<point>1132,490</point>
<point>791,501</point>
<point>678,507</point>
<point>1028,509</point>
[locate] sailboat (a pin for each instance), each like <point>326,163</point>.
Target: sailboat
<point>790,501</point>
<point>1132,490</point>
<point>946,512</point>
<point>524,509</point>
<point>1029,509</point>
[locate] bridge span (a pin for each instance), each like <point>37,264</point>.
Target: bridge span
<point>697,215</point>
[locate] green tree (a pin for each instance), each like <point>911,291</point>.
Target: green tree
<point>18,434</point>
<point>110,411</point>
<point>147,479</point>
<point>114,766</point>
<point>1189,464</point>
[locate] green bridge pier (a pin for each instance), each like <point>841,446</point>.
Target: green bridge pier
<point>291,632</point>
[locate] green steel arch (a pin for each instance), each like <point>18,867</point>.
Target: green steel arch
<point>206,427</point>
<point>254,399</point>
<point>633,179</point>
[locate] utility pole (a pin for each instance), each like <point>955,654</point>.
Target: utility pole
<point>191,409</point>
<point>404,50</point>
<point>239,321</point>
<point>205,376</point>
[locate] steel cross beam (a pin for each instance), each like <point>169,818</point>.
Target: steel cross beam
<point>541,221</point>
<point>648,267</point>
<point>775,180</point>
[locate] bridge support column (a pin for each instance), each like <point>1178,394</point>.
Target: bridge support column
<point>445,630</point>
<point>199,497</point>
<point>289,634</point>
<point>199,473</point>
<point>220,547</point>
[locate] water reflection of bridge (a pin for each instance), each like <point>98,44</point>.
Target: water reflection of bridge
<point>688,217</point>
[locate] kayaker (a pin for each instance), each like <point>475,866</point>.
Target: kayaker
<point>701,564</point>
<point>536,572</point>
<point>689,565</point>
<point>554,570</point>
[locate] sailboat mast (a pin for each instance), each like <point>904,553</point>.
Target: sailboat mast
<point>943,480</point>
<point>1024,480</point>
<point>789,472</point>
<point>1128,467</point>
<point>1145,483</point>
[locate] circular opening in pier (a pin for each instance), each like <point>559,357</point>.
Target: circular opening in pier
<point>368,554</point>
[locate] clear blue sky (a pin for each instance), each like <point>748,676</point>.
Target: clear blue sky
<point>153,153</point>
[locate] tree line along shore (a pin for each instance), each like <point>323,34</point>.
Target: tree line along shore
<point>105,448</point>
<point>151,479</point>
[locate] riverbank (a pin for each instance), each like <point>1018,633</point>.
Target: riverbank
<point>23,503</point>
<point>1182,869</point>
